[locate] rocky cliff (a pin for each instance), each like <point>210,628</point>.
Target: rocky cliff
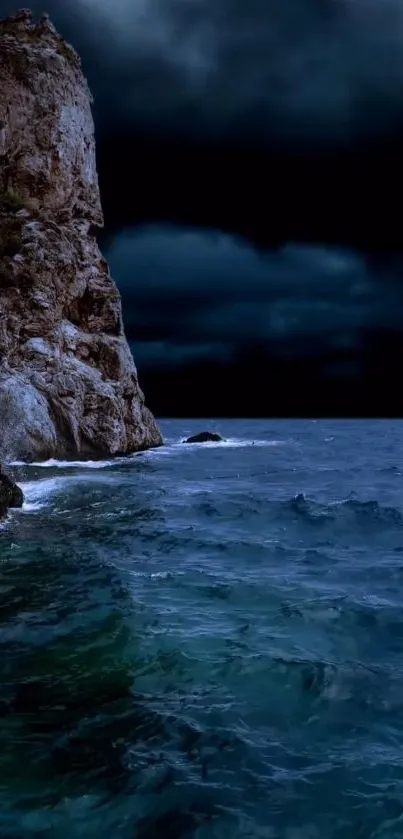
<point>68,383</point>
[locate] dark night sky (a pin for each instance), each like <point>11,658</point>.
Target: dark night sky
<point>251,165</point>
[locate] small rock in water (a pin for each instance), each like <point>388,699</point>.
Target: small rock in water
<point>205,437</point>
<point>10,494</point>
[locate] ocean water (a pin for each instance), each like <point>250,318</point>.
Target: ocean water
<point>207,641</point>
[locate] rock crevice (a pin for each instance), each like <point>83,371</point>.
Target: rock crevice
<point>68,383</point>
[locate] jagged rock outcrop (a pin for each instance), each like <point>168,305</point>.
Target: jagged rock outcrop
<point>68,383</point>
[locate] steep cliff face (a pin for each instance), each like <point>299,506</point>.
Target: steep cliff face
<point>68,383</point>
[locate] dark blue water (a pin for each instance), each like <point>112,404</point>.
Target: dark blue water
<point>207,641</point>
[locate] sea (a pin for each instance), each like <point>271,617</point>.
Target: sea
<point>206,640</point>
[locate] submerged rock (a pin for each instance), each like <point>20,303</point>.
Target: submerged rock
<point>68,383</point>
<point>205,437</point>
<point>10,494</point>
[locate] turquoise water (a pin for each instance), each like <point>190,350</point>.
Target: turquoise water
<point>207,641</point>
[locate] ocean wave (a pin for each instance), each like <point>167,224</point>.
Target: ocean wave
<point>38,493</point>
<point>171,447</point>
<point>231,443</point>
<point>4,522</point>
<point>364,512</point>
<point>329,681</point>
<point>52,463</point>
<point>178,447</point>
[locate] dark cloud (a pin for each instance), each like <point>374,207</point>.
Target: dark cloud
<point>229,114</point>
<point>299,330</point>
<point>195,296</point>
<point>303,68</point>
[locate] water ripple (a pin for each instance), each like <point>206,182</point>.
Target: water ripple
<point>206,641</point>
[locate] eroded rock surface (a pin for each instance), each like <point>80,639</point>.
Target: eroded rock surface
<point>68,383</point>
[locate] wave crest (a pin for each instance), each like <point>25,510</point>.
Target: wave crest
<point>363,512</point>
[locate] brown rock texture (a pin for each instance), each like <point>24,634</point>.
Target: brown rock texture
<point>68,383</point>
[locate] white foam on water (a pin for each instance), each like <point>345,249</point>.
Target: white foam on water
<point>171,447</point>
<point>69,464</point>
<point>38,493</point>
<point>3,522</point>
<point>194,489</point>
<point>153,575</point>
<point>231,443</point>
